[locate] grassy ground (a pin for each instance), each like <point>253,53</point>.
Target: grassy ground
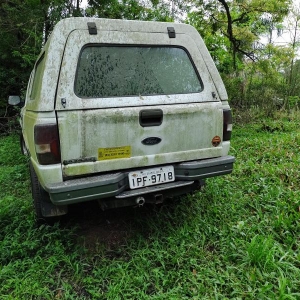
<point>238,239</point>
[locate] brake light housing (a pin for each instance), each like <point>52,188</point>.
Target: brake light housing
<point>47,146</point>
<point>227,124</point>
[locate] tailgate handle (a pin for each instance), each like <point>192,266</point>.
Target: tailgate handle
<point>151,117</point>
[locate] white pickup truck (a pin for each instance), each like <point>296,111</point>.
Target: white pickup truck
<point>125,112</point>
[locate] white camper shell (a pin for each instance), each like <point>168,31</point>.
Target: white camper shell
<point>125,112</point>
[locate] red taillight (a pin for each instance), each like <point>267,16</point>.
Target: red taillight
<point>227,124</point>
<point>46,141</point>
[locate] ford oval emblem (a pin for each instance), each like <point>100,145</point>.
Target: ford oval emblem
<point>151,141</point>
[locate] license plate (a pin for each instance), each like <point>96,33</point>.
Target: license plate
<point>143,178</point>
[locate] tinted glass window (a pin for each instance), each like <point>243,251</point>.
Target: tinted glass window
<point>37,80</point>
<point>111,71</point>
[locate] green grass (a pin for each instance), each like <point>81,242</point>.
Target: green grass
<point>238,239</point>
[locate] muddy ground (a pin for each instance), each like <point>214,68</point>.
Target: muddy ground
<point>109,228</point>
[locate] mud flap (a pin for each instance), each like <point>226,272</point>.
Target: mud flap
<point>48,209</point>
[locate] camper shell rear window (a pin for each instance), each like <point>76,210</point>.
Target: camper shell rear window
<point>114,71</point>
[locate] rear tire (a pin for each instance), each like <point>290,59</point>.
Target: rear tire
<point>23,146</point>
<point>42,203</point>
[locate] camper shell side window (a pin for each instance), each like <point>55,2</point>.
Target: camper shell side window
<point>37,79</point>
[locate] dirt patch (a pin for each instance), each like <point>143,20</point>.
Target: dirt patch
<point>109,229</point>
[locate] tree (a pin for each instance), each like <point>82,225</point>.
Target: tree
<point>24,28</point>
<point>154,10</point>
<point>241,22</point>
<point>291,71</point>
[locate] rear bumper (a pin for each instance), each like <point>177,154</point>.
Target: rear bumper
<point>200,169</point>
<point>115,185</point>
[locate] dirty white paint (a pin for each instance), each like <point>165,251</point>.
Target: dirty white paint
<point>186,133</point>
<point>190,121</point>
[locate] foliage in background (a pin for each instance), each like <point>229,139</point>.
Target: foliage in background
<point>255,74</point>
<point>240,23</point>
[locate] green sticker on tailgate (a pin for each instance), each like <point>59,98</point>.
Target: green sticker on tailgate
<point>113,153</point>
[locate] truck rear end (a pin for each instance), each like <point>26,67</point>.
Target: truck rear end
<point>140,112</point>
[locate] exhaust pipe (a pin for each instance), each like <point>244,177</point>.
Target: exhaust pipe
<point>140,201</point>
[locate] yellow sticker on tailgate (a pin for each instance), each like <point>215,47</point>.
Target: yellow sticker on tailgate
<point>113,153</point>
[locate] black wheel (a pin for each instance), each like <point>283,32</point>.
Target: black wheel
<point>45,211</point>
<point>202,185</point>
<point>23,146</point>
